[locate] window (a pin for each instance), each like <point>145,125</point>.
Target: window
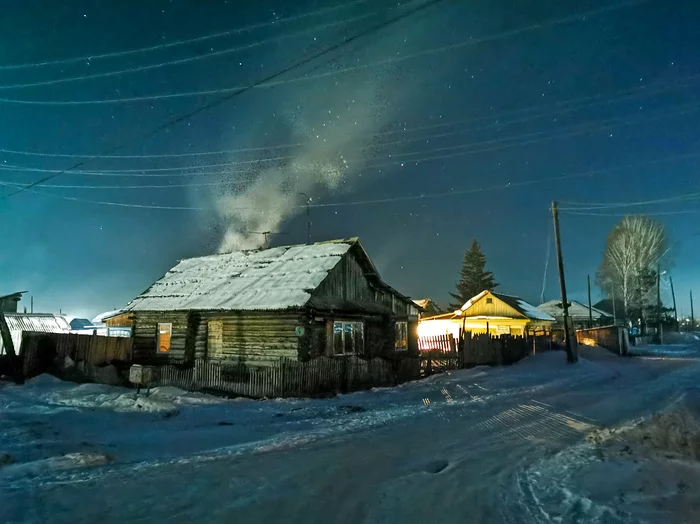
<point>348,338</point>
<point>489,300</point>
<point>165,332</point>
<point>215,338</point>
<point>401,335</point>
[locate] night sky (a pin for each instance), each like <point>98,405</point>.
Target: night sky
<point>463,121</point>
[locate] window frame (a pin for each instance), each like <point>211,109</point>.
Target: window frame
<point>401,325</point>
<point>170,337</point>
<point>344,324</point>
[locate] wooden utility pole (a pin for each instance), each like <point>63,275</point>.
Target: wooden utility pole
<point>675,311</point>
<point>571,350</point>
<point>590,308</point>
<point>692,314</point>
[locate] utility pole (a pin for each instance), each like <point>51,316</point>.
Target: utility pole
<point>308,217</point>
<point>692,314</point>
<point>658,304</point>
<point>675,311</point>
<point>571,350</point>
<point>590,308</point>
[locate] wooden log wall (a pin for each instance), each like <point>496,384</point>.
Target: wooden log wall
<point>249,338</point>
<point>145,336</point>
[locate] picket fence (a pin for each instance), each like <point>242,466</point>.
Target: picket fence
<point>319,377</point>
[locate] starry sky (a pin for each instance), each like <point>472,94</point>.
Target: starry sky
<point>462,121</point>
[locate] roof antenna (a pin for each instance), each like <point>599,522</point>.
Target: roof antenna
<point>308,217</point>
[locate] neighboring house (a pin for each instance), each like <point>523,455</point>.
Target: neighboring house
<point>428,307</point>
<point>612,308</point>
<point>33,322</point>
<point>577,311</point>
<point>255,307</point>
<point>495,313</point>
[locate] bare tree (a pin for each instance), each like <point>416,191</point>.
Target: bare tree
<point>633,249</point>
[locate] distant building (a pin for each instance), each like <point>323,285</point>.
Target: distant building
<point>8,303</point>
<point>428,307</point>
<point>577,311</point>
<point>256,307</point>
<point>80,323</point>
<point>33,322</point>
<point>495,313</point>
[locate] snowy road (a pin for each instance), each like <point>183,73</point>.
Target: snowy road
<point>483,445</point>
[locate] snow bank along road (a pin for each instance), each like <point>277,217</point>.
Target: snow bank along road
<point>539,441</point>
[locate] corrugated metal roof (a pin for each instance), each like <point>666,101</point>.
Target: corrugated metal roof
<point>37,322</point>
<point>268,279</point>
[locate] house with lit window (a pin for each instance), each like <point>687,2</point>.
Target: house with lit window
<point>256,307</point>
<point>489,312</point>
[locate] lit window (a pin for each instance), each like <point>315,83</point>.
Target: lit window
<point>401,335</point>
<point>348,338</point>
<point>164,335</point>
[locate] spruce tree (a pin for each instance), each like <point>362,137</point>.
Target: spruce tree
<point>473,278</point>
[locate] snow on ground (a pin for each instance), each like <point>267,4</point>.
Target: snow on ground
<point>512,444</point>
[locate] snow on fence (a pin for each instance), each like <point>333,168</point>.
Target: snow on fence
<point>40,351</point>
<point>320,376</point>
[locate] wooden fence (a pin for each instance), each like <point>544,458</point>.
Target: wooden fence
<point>444,352</point>
<point>318,377</point>
<point>41,351</point>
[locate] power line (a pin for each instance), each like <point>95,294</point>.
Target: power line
<point>549,110</point>
<point>267,84</point>
<point>179,61</point>
<point>653,213</point>
<point>582,206</point>
<point>346,41</point>
<point>453,151</point>
<point>168,45</point>
<point>508,185</point>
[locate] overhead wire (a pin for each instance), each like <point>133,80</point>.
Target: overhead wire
<point>168,45</point>
<point>306,77</point>
<point>195,58</point>
<point>405,198</point>
<point>451,151</point>
<point>582,206</point>
<point>575,104</point>
<point>300,63</point>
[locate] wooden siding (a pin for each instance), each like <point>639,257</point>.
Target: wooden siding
<point>347,281</point>
<point>122,320</point>
<point>249,337</point>
<point>497,308</point>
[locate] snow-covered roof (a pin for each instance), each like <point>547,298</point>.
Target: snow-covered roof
<point>36,322</point>
<point>99,319</point>
<point>269,279</point>
<point>524,308</point>
<point>576,309</point>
